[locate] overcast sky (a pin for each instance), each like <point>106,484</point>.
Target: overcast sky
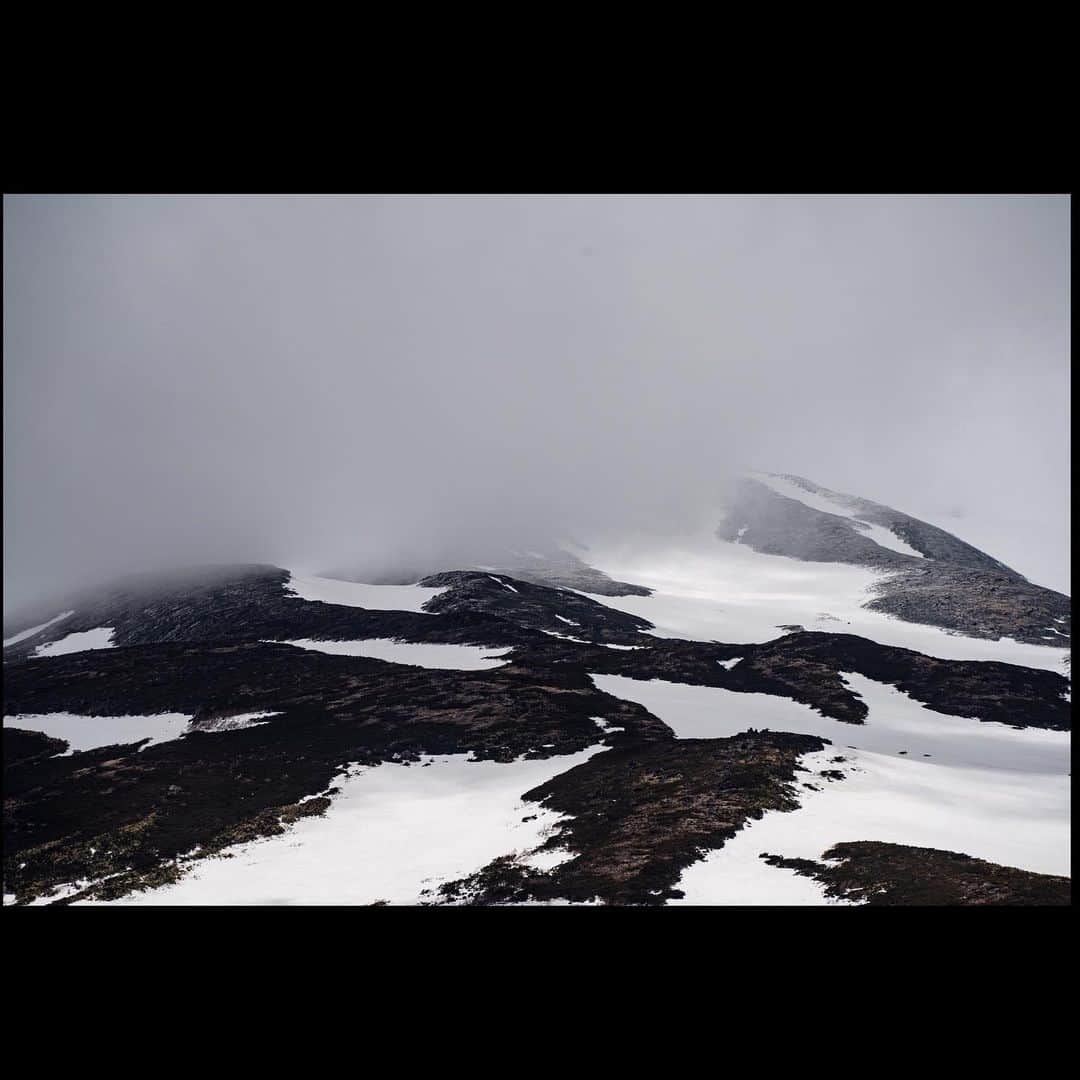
<point>324,379</point>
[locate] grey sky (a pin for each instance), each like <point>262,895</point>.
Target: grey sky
<point>325,379</point>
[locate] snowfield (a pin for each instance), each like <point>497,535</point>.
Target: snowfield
<point>90,732</point>
<point>354,594</point>
<point>706,589</point>
<point>897,724</point>
<point>985,789</point>
<point>98,638</point>
<point>419,654</point>
<point>1011,818</point>
<point>392,833</point>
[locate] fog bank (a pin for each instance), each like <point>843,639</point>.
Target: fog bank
<point>317,380</point>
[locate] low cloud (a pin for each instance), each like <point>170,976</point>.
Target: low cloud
<point>391,381</point>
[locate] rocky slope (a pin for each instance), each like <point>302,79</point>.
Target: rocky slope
<point>948,583</point>
<point>890,875</point>
<point>268,729</point>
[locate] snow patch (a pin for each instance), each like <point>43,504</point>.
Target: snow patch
<point>238,722</point>
<point>897,725</point>
<point>886,538</point>
<point>98,638</point>
<point>1011,818</point>
<point>90,732</point>
<point>565,637</point>
<point>354,594</point>
<point>605,727</point>
<point>881,536</point>
<point>394,833</point>
<point>705,589</point>
<point>23,635</point>
<point>418,654</point>
<point>984,789</point>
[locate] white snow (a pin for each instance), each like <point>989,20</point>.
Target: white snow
<point>89,732</point>
<point>1011,818</point>
<point>790,490</point>
<point>565,637</point>
<point>706,589</point>
<point>23,635</point>
<point>499,581</point>
<point>729,664</point>
<point>878,533</point>
<point>987,790</point>
<point>896,723</point>
<point>605,727</point>
<point>419,654</point>
<point>546,861</point>
<point>98,638</point>
<point>393,832</point>
<point>237,722</point>
<point>569,622</point>
<point>353,594</point>
<point>885,538</point>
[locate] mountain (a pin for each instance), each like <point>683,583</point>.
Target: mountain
<point>819,700</point>
<point>934,577</point>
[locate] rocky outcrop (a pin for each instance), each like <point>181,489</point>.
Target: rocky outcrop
<point>114,810</point>
<point>954,585</point>
<point>888,875</point>
<point>641,814</point>
<point>560,612</point>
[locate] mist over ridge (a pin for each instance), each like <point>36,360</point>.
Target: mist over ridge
<point>398,381</point>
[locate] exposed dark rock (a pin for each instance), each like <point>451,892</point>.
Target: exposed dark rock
<point>895,874</point>
<point>20,745</point>
<point>929,540</point>
<point>807,667</point>
<point>642,814</point>
<point>251,603</point>
<point>954,585</point>
<point>561,569</point>
<point>773,524</point>
<point>979,603</point>
<point>536,607</point>
<point>112,811</point>
<point>982,689</point>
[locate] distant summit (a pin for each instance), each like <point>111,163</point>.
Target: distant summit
<point>939,579</point>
